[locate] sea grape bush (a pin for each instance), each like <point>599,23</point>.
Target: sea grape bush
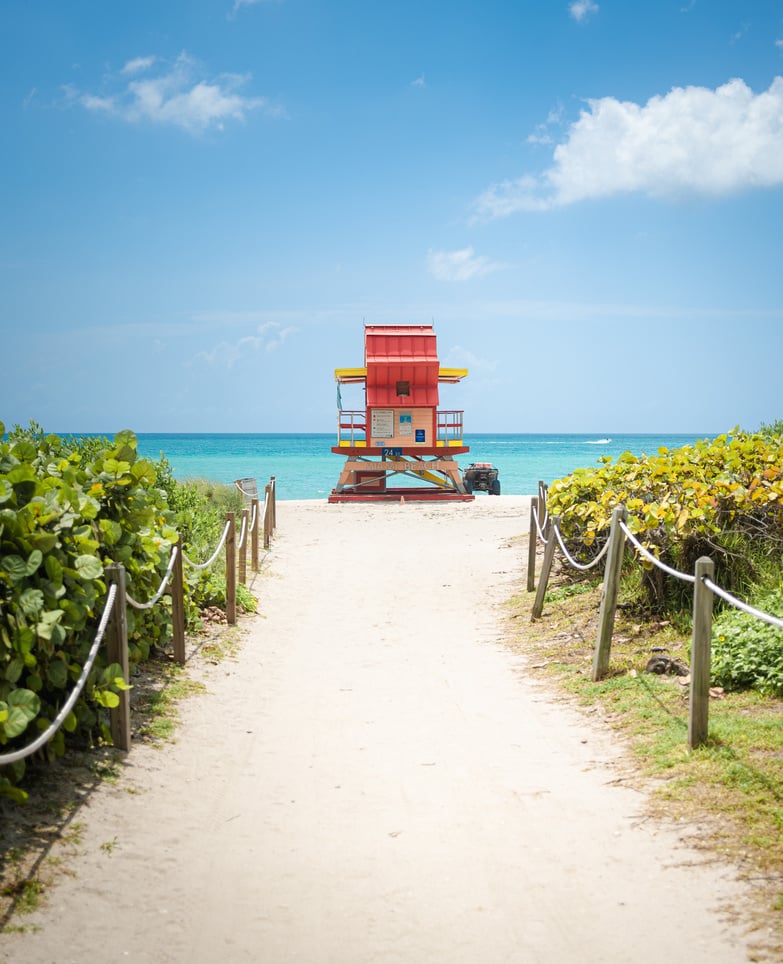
<point>747,652</point>
<point>68,507</point>
<point>201,508</point>
<point>65,513</point>
<point>721,497</point>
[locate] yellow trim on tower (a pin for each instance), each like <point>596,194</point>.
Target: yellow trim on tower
<point>451,374</point>
<point>357,374</point>
<point>349,374</point>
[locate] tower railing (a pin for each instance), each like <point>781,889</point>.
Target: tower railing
<point>352,428</point>
<point>450,426</point>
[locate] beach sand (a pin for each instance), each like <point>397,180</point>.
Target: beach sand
<point>376,778</point>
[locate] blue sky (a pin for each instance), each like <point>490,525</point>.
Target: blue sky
<point>204,201</point>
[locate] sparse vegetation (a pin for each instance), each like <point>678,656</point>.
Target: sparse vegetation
<point>732,788</point>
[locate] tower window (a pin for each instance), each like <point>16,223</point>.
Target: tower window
<point>403,388</point>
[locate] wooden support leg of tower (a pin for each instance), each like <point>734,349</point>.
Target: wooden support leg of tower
<point>347,476</point>
<point>451,470</point>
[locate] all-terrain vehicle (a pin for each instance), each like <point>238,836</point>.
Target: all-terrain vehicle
<point>481,477</point>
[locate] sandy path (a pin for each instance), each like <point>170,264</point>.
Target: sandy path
<point>375,780</point>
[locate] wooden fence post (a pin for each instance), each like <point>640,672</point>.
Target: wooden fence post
<point>614,565</point>
<point>117,650</point>
<point>178,608</point>
<point>268,515</point>
<point>546,566</point>
<point>231,570</point>
<point>531,546</point>
<point>254,544</point>
<point>701,645</point>
<point>245,525</point>
<point>273,501</point>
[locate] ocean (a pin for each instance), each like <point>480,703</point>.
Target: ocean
<point>305,467</point>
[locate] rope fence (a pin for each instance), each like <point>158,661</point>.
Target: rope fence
<point>113,622</point>
<point>215,554</point>
<point>620,534</point>
<point>166,579</point>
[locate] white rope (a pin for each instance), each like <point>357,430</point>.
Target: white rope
<point>57,722</point>
<point>541,535</point>
<point>213,557</point>
<point>738,604</point>
<point>242,532</point>
<point>653,559</point>
<point>578,565</point>
<point>254,517</point>
<point>148,605</point>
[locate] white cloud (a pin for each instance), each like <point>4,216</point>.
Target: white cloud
<point>419,82</point>
<point>177,95</point>
<point>693,140</point>
<point>268,337</point>
<point>542,133</point>
<point>460,265</point>
<point>582,9</point>
<point>138,64</point>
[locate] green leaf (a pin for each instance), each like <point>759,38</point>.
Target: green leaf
<point>24,450</point>
<point>26,701</point>
<point>31,601</point>
<point>6,491</point>
<point>22,473</point>
<point>107,698</point>
<point>45,541</point>
<point>14,566</point>
<point>112,531</point>
<point>58,635</point>
<point>57,673</point>
<point>23,706</point>
<point>47,623</point>
<point>17,568</point>
<point>7,789</point>
<point>14,669</point>
<point>54,570</point>
<point>89,567</point>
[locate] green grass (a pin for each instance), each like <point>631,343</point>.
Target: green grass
<point>159,706</point>
<point>26,893</point>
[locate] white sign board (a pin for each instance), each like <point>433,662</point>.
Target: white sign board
<point>382,424</point>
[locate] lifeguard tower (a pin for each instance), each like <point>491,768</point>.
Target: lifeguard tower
<point>400,433</point>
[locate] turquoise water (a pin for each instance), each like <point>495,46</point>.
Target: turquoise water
<point>305,467</point>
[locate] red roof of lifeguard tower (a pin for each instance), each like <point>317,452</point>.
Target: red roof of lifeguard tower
<point>397,355</point>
